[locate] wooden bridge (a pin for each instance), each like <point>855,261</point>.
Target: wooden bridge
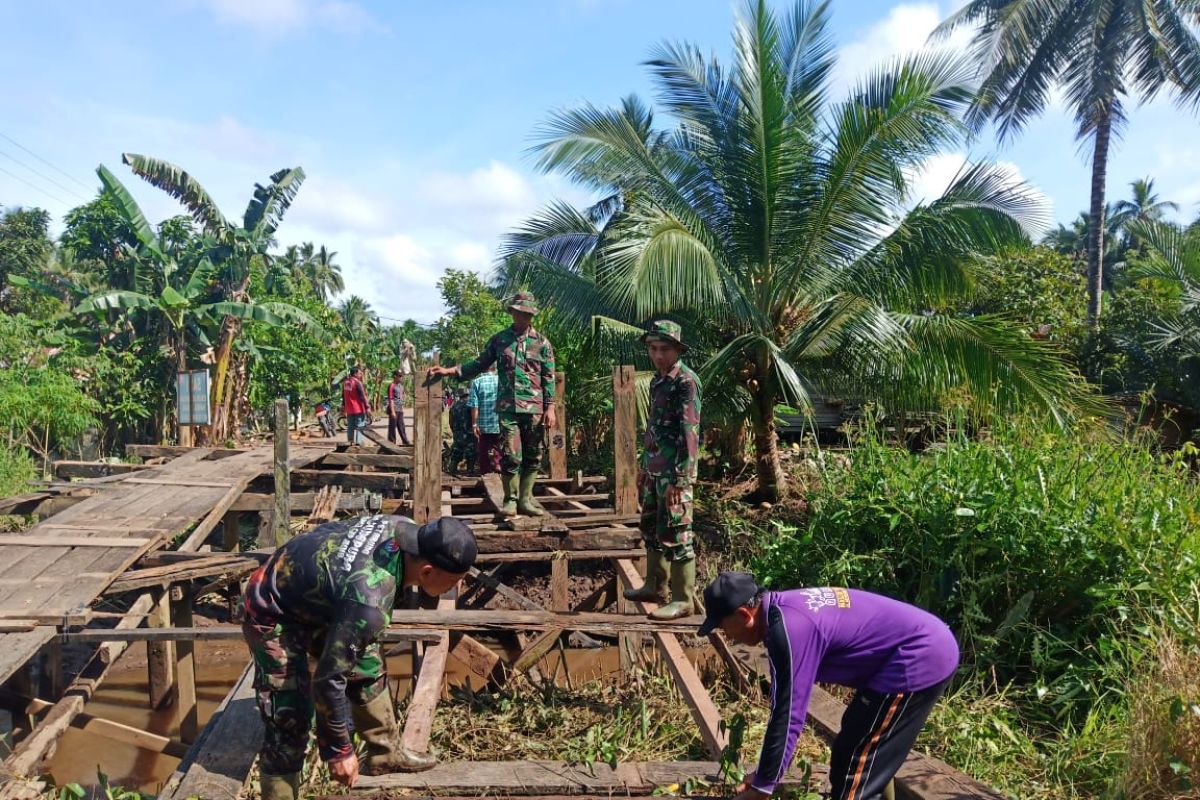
<point>161,534</point>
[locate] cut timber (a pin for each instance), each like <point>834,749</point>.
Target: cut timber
<point>528,542</point>
<point>428,689</point>
<point>385,445</point>
<point>574,555</point>
<point>490,620</point>
<point>503,778</point>
<point>427,455</point>
<point>173,451</point>
<point>379,460</point>
<point>375,481</point>
<point>283,505</point>
<point>493,487</point>
<point>558,433</point>
<point>217,765</point>
<point>119,732</point>
<point>302,502</point>
<point>214,633</point>
<point>64,470</point>
<point>23,540</point>
<point>704,711</point>
<point>325,507</point>
<point>625,439</point>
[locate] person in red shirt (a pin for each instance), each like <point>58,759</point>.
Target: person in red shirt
<point>355,405</point>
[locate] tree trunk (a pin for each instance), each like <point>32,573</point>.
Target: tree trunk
<point>1095,241</point>
<point>771,484</point>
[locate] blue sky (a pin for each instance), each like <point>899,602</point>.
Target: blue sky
<point>412,120</point>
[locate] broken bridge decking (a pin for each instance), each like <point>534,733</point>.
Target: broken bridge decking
<point>52,572</point>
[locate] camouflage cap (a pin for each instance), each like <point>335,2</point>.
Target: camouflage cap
<point>523,301</point>
<point>663,330</point>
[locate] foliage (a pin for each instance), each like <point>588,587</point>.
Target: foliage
<point>1053,557</point>
<point>16,471</point>
<point>473,314</point>
<point>779,228</point>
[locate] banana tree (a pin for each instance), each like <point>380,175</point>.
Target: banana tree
<point>237,248</point>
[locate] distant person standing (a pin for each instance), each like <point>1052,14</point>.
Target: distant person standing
<point>524,399</point>
<point>668,473</point>
<point>395,408</point>
<point>485,421</point>
<point>463,448</point>
<point>355,405</point>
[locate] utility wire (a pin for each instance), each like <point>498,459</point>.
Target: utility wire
<point>65,174</point>
<point>34,186</point>
<point>43,175</point>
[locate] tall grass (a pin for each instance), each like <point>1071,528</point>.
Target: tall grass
<point>1060,560</point>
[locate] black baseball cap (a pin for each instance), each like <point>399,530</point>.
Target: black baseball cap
<point>447,543</point>
<point>729,592</point>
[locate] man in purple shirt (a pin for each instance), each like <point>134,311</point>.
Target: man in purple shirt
<point>897,657</point>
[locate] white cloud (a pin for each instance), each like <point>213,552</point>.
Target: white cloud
<point>937,174</point>
<point>905,30</point>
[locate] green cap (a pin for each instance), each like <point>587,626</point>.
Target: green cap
<point>523,301</point>
<point>664,330</point>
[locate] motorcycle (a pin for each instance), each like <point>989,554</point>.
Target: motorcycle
<point>325,419</point>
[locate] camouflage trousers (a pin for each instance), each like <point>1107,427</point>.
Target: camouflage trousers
<point>664,527</point>
<point>284,692</point>
<point>463,449</point>
<point>520,442</point>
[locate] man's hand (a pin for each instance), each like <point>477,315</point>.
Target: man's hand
<point>674,496</point>
<point>478,433</point>
<point>550,417</point>
<point>345,770</point>
<point>438,372</point>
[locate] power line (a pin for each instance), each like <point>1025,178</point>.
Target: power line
<point>65,174</point>
<point>43,175</point>
<point>35,186</point>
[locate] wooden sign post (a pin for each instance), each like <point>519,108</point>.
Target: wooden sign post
<point>625,440</point>
<point>558,434</point>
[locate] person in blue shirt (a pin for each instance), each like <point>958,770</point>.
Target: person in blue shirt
<point>485,421</point>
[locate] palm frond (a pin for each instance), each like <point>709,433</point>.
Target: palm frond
<point>271,202</point>
<point>130,211</point>
<point>183,187</point>
<point>118,300</point>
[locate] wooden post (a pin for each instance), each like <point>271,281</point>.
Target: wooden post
<point>283,478</point>
<point>160,656</point>
<point>625,497</point>
<point>185,668</point>
<point>231,532</point>
<point>559,584</point>
<point>427,448</point>
<point>558,434</point>
<point>52,669</point>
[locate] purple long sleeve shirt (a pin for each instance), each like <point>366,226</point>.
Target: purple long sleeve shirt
<point>848,637</point>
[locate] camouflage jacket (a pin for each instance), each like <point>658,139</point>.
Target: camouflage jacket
<point>525,370</point>
<point>672,440</point>
<point>460,419</point>
<point>339,580</point>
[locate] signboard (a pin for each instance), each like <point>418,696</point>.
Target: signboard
<point>191,397</point>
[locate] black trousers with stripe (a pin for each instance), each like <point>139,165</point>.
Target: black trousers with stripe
<point>877,732</point>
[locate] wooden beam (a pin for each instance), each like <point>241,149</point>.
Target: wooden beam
<point>185,667</point>
<point>375,481</point>
<point>704,710</point>
<point>558,434</point>
<point>174,451</point>
<point>283,508</point>
<point>427,454</point>
<point>302,502</point>
<point>215,633</point>
<point>118,732</point>
<point>504,620</point>
<point>34,540</point>
<point>231,531</point>
<point>560,584</point>
<point>378,460</point>
<point>160,655</point>
<point>427,690</point>
<point>625,439</point>
<point>573,555</point>
<point>64,470</point>
<point>534,541</point>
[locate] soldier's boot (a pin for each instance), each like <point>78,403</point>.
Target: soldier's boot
<point>375,722</point>
<point>525,503</point>
<point>280,787</point>
<point>509,509</point>
<point>683,591</point>
<point>654,579</point>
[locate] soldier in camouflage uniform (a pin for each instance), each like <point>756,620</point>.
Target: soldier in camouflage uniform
<point>463,448</point>
<point>328,595</point>
<point>668,473</point>
<point>524,399</point>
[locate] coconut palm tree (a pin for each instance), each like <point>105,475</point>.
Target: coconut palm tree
<point>323,274</point>
<point>1173,257</point>
<point>778,227</point>
<point>1102,53</point>
<point>359,320</point>
<point>236,248</point>
<point>1143,206</point>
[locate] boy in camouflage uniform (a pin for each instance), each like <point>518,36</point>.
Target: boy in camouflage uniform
<point>329,594</point>
<point>524,399</point>
<point>668,473</point>
<point>463,448</point>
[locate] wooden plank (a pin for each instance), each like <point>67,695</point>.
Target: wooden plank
<point>427,438</point>
<point>217,765</point>
<point>118,732</point>
<point>375,481</point>
<point>283,508</point>
<point>506,778</point>
<point>504,620</point>
<point>185,668</point>
<point>378,460</point>
<point>179,482</point>
<point>214,633</point>
<point>174,451</point>
<point>573,555</point>
<point>64,470</point>
<point>151,577</point>
<point>534,541</point>
<point>625,439</point>
<point>704,710</point>
<point>427,691</point>
<point>34,540</point>
<point>160,655</point>
<point>560,584</point>
<point>302,502</point>
<point>558,434</point>
<point>385,445</point>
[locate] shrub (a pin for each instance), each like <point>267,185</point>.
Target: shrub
<point>16,471</point>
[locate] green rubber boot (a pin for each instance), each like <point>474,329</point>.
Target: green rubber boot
<point>654,580</point>
<point>375,723</point>
<point>683,591</point>
<point>525,503</point>
<point>509,509</point>
<point>280,787</point>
